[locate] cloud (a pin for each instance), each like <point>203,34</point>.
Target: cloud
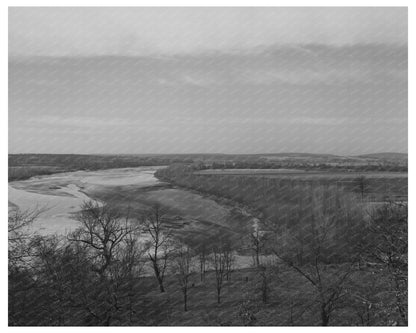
<point>293,64</point>
<point>78,121</point>
<point>141,31</point>
<point>258,100</point>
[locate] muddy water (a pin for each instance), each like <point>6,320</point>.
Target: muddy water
<point>61,195</point>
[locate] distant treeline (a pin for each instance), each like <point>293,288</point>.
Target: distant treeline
<point>93,161</point>
<point>25,172</point>
<point>23,166</point>
<point>307,166</point>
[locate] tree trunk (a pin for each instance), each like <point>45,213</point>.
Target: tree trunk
<point>160,281</point>
<point>158,276</point>
<point>202,270</point>
<point>324,315</point>
<point>185,300</point>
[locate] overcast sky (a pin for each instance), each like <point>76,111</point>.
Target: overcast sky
<point>189,80</point>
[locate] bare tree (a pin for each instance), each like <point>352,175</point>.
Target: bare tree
<point>19,234</point>
<point>202,262</point>
<point>109,239</point>
<point>265,276</point>
<point>157,227</point>
<point>130,257</point>
<point>229,260</point>
<point>257,241</point>
<point>103,231</point>
<point>182,267</point>
<point>387,245</point>
<point>129,267</point>
<point>329,285</point>
<point>219,261</point>
<point>322,219</point>
<point>362,185</point>
<point>61,274</point>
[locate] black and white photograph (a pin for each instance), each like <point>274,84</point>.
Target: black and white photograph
<point>207,166</point>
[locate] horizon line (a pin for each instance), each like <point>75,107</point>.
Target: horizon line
<point>277,153</point>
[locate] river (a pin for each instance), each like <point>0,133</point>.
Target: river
<point>59,196</point>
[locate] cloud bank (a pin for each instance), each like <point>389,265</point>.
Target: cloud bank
<point>167,31</point>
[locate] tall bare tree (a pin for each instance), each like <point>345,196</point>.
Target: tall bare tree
<point>219,263</point>
<point>257,241</point>
<point>363,185</point>
<point>159,248</point>
<point>229,258</point>
<point>325,221</point>
<point>386,244</point>
<point>19,235</point>
<point>103,230</point>
<point>202,256</point>
<point>108,236</point>
<point>330,285</point>
<point>182,267</point>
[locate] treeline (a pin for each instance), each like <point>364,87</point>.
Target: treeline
<point>95,161</point>
<point>97,275</point>
<point>26,172</point>
<point>23,166</point>
<point>69,162</point>
<point>385,166</point>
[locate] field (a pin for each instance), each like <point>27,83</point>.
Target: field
<point>301,174</point>
<point>377,187</point>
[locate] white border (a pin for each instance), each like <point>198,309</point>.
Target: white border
<point>294,3</point>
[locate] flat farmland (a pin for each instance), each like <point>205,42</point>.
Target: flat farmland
<point>377,186</point>
<point>300,174</point>
<point>249,172</point>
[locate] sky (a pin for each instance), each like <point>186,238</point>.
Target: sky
<point>208,80</point>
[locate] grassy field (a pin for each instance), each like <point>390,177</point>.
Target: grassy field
<point>377,187</point>
<point>301,174</point>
